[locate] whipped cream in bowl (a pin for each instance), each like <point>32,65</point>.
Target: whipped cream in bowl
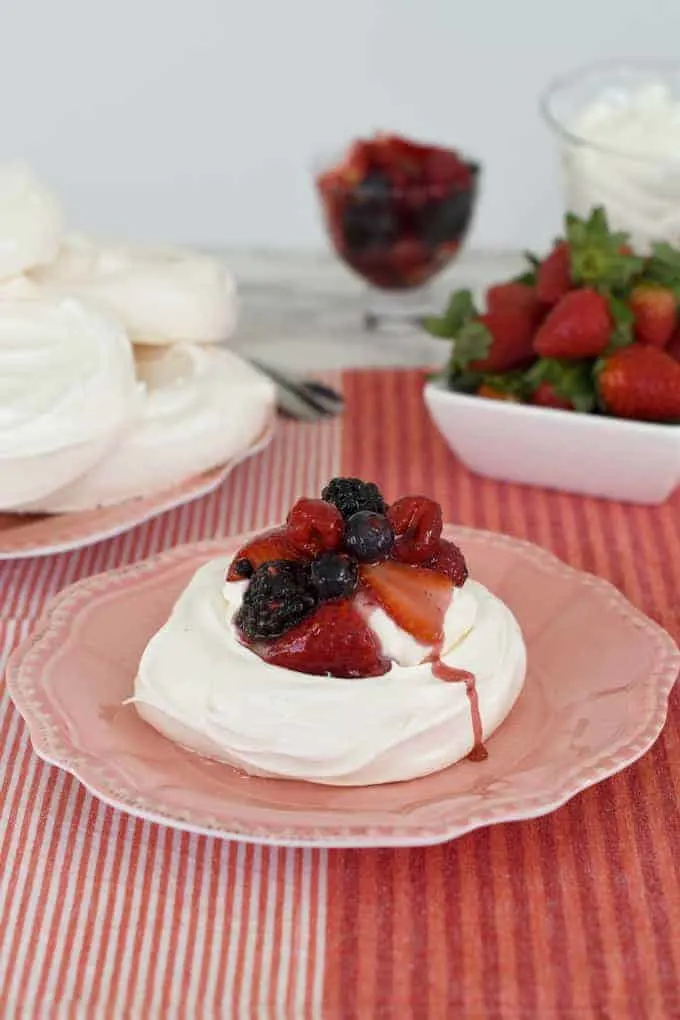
<point>201,685</point>
<point>619,129</point>
<point>67,390</point>
<point>162,295</point>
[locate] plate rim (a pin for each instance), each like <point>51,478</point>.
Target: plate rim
<point>56,613</point>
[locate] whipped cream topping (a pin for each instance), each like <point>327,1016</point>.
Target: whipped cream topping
<point>161,295</point>
<point>30,221</point>
<point>67,389</point>
<point>200,407</point>
<point>199,686</point>
<point>633,168</point>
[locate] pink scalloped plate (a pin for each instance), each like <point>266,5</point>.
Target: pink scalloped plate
<point>26,535</point>
<point>594,701</point>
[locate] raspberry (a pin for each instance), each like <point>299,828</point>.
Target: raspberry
<point>350,495</point>
<point>417,524</point>
<point>279,596</point>
<point>314,526</point>
<point>449,560</point>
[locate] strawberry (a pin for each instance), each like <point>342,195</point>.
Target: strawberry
<point>547,396</point>
<point>553,279</point>
<point>579,326</point>
<point>513,295</point>
<point>314,526</point>
<point>417,525</point>
<point>334,641</point>
<point>673,345</point>
<point>640,382</point>
<point>415,598</point>
<point>654,309</point>
<point>510,332</point>
<point>270,545</point>
<point>449,561</point>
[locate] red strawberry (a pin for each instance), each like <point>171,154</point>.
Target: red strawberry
<point>314,526</point>
<point>511,332</point>
<point>673,345</point>
<point>415,598</point>
<point>334,641</point>
<point>417,525</point>
<point>547,396</point>
<point>579,326</point>
<point>449,560</point>
<point>553,280</point>
<point>514,295</point>
<point>654,309</point>
<point>270,545</point>
<point>641,382</point>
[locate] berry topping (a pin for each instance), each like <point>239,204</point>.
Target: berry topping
<point>350,495</point>
<point>335,576</point>
<point>369,536</point>
<point>417,525</point>
<point>449,560</point>
<point>279,596</point>
<point>334,641</point>
<point>415,598</point>
<point>314,526</point>
<point>270,545</point>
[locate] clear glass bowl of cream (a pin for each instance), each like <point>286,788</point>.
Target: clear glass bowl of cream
<point>618,126</point>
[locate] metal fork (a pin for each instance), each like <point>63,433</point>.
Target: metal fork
<point>302,399</point>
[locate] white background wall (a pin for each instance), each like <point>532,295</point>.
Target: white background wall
<point>198,120</point>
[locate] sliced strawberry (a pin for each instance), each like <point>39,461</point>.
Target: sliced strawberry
<point>415,598</point>
<point>314,526</point>
<point>270,545</point>
<point>449,561</point>
<point>553,278</point>
<point>334,641</point>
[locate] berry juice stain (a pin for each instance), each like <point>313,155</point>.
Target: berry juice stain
<point>457,676</point>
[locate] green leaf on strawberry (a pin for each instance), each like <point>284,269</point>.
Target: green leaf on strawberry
<point>459,311</point>
<point>624,321</point>
<point>600,257</point>
<point>529,276</point>
<point>472,343</point>
<point>571,380</point>
<point>663,267</point>
<point>514,383</point>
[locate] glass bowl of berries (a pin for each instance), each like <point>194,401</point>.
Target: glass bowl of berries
<point>397,212</point>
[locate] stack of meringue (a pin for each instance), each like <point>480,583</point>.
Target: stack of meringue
<point>114,379</point>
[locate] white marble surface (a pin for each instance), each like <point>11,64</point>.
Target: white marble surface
<point>304,312</point>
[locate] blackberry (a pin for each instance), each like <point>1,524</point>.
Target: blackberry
<point>334,576</point>
<point>350,495</point>
<point>369,536</point>
<point>279,596</point>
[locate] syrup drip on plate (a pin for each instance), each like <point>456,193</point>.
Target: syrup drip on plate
<point>451,675</point>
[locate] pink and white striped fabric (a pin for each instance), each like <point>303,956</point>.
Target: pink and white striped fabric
<point>572,915</point>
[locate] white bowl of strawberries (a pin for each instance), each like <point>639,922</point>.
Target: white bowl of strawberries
<point>571,377</point>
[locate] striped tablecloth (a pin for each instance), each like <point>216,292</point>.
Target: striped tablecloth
<point>572,915</point>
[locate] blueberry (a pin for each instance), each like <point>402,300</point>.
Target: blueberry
<point>446,220</point>
<point>244,568</point>
<point>369,219</point>
<point>334,576</point>
<point>369,536</point>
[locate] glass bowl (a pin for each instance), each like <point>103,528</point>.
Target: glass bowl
<point>618,125</point>
<point>392,226</point>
